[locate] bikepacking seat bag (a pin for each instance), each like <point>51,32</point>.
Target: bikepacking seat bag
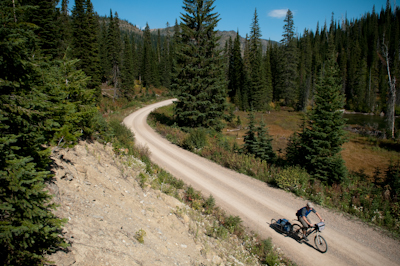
<point>285,224</point>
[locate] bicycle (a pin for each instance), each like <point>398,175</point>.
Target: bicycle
<point>320,242</point>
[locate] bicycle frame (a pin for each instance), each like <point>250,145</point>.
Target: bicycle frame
<point>320,242</point>
<point>311,231</point>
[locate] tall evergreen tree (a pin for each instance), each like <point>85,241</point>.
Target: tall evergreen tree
<point>166,64</point>
<point>41,101</point>
<point>65,28</point>
<point>45,16</point>
<point>134,52</point>
<point>237,79</point>
<point>275,58</point>
<point>265,151</point>
<point>127,77</point>
<point>173,53</point>
<point>113,51</point>
<point>200,79</point>
<point>268,77</point>
<point>79,41</point>
<point>289,61</point>
<point>318,146</point>
<point>257,88</point>
<point>84,41</point>
<point>93,67</point>
<point>103,51</point>
<point>305,72</point>
<point>147,59</point>
<point>251,145</point>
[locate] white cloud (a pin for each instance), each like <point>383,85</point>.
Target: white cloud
<point>278,13</point>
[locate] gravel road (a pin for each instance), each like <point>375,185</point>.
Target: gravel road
<point>350,242</point>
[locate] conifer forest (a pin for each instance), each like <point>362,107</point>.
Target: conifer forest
<point>53,61</point>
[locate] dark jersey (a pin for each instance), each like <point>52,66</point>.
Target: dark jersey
<point>303,212</point>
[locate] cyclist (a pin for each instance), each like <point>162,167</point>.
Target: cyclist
<point>302,217</point>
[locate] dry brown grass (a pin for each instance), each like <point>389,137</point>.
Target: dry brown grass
<point>359,154</point>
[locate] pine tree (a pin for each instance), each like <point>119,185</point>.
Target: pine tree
<point>84,41</point>
<point>251,145</point>
<point>166,64</point>
<point>79,41</point>
<point>268,77</point>
<point>305,72</point>
<point>113,52</point>
<point>275,58</point>
<point>237,79</point>
<point>200,78</point>
<point>264,140</point>
<point>45,17</point>
<point>289,61</point>
<point>173,54</point>
<point>134,52</point>
<point>28,228</point>
<point>127,77</point>
<point>360,88</point>
<point>318,146</point>
<point>93,67</point>
<point>103,51</point>
<point>257,88</point>
<point>65,28</point>
<point>147,59</point>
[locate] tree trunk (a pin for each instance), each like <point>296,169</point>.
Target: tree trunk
<point>392,92</point>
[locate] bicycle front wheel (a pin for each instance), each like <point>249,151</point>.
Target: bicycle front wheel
<point>297,232</point>
<point>321,244</point>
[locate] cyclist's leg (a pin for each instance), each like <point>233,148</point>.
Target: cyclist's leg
<point>303,223</point>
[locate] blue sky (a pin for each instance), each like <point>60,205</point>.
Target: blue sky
<point>238,14</point>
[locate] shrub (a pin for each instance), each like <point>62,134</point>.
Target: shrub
<point>234,225</point>
<point>292,178</point>
<point>124,138</point>
<point>196,139</point>
<point>192,195</point>
<point>217,231</point>
<point>143,180</point>
<point>102,127</point>
<point>264,250</point>
<point>140,236</point>
<point>209,204</point>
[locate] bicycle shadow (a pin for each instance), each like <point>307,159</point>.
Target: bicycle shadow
<point>277,228</point>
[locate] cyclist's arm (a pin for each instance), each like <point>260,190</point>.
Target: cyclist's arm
<point>306,220</point>
<point>319,216</point>
<point>310,224</point>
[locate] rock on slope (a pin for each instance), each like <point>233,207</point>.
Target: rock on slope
<point>107,210</point>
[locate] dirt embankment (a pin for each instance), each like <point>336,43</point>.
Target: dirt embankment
<point>109,214</point>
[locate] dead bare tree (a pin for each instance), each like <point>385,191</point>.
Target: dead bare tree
<point>390,115</point>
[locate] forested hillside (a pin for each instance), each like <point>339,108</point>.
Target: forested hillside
<point>121,53</point>
<point>360,45</point>
<point>367,48</point>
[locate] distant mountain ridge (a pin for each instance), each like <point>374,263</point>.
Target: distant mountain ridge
<point>224,37</point>
<point>129,27</point>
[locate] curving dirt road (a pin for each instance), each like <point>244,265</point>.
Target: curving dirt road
<point>350,242</point>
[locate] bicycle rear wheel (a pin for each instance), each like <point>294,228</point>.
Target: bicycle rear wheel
<point>321,244</point>
<point>297,233</point>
